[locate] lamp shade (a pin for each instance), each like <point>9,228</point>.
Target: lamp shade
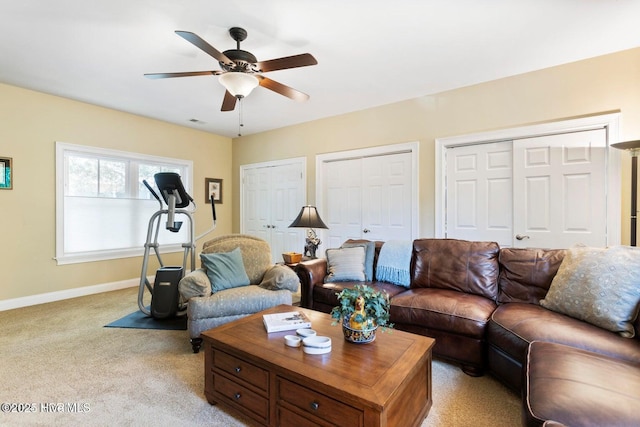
<point>628,145</point>
<point>239,84</point>
<point>308,218</point>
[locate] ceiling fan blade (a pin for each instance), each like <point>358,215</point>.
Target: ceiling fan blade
<point>229,102</point>
<point>295,61</point>
<point>182,74</point>
<point>203,45</point>
<point>287,91</point>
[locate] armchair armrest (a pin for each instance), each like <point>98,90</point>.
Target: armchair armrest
<point>195,284</point>
<point>310,273</point>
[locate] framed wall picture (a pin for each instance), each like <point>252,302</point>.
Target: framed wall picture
<point>213,187</point>
<point>6,173</point>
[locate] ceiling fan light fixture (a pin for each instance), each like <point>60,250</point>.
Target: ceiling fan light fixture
<point>239,84</point>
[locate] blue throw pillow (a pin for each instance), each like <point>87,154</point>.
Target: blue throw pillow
<point>225,270</point>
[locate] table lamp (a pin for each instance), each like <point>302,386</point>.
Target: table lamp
<point>634,149</point>
<point>309,218</point>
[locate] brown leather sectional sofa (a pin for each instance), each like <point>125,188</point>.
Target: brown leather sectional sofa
<point>481,304</point>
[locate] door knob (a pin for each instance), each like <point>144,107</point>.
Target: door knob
<point>366,230</point>
<point>521,236</point>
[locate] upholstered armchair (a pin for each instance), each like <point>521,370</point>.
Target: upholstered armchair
<point>237,278</point>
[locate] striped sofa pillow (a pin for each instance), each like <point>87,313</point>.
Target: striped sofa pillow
<point>345,264</point>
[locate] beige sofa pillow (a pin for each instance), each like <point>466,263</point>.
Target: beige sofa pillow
<point>599,286</point>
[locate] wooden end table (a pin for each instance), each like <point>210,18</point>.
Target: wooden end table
<point>385,383</point>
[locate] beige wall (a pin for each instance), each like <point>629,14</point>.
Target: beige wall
<point>31,123</point>
<point>595,86</point>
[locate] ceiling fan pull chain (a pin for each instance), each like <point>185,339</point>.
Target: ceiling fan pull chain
<point>240,120</point>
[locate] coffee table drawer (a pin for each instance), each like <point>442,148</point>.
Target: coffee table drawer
<point>238,368</point>
<point>321,406</point>
<point>242,396</point>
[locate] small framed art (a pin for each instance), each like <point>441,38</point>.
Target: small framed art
<point>6,173</point>
<point>213,187</point>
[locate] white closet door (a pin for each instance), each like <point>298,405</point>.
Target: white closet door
<point>543,192</point>
<point>286,199</point>
<point>560,190</point>
<point>480,193</point>
<point>272,196</point>
<point>342,202</point>
<point>256,210</point>
<point>386,188</point>
<point>369,198</point>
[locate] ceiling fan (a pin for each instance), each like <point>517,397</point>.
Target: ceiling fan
<point>241,71</point>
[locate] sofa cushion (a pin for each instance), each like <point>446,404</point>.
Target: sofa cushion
<point>459,265</point>
<point>225,270</point>
<point>514,326</point>
<point>369,255</point>
<point>280,277</point>
<point>600,286</point>
<point>526,274</point>
<point>345,264</point>
<point>579,388</point>
<point>443,309</point>
<point>236,301</point>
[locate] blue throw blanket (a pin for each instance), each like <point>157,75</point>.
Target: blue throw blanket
<point>394,262</point>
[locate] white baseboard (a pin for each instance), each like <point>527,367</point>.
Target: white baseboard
<point>10,304</point>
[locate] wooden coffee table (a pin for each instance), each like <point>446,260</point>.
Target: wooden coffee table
<point>385,383</point>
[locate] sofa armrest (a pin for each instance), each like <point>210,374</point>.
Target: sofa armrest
<point>310,272</point>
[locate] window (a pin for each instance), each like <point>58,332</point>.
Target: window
<point>102,205</point>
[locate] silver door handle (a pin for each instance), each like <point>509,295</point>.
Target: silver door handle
<point>366,230</point>
<point>521,236</point>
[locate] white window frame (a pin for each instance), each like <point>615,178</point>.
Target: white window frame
<point>62,149</point>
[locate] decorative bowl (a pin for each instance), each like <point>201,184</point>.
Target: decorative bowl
<point>305,332</point>
<point>358,336</point>
<point>292,340</point>
<point>316,345</point>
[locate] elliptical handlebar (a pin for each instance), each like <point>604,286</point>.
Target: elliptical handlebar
<point>213,209</point>
<point>146,184</point>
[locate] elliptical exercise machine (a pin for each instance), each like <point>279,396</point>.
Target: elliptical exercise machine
<point>165,298</point>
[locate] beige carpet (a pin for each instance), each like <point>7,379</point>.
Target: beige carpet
<point>59,356</point>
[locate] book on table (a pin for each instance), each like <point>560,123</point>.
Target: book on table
<point>290,320</point>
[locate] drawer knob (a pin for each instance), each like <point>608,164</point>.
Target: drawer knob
<point>238,369</point>
<point>237,396</point>
<point>314,406</point>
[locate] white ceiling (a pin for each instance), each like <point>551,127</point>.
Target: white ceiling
<point>369,52</point>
